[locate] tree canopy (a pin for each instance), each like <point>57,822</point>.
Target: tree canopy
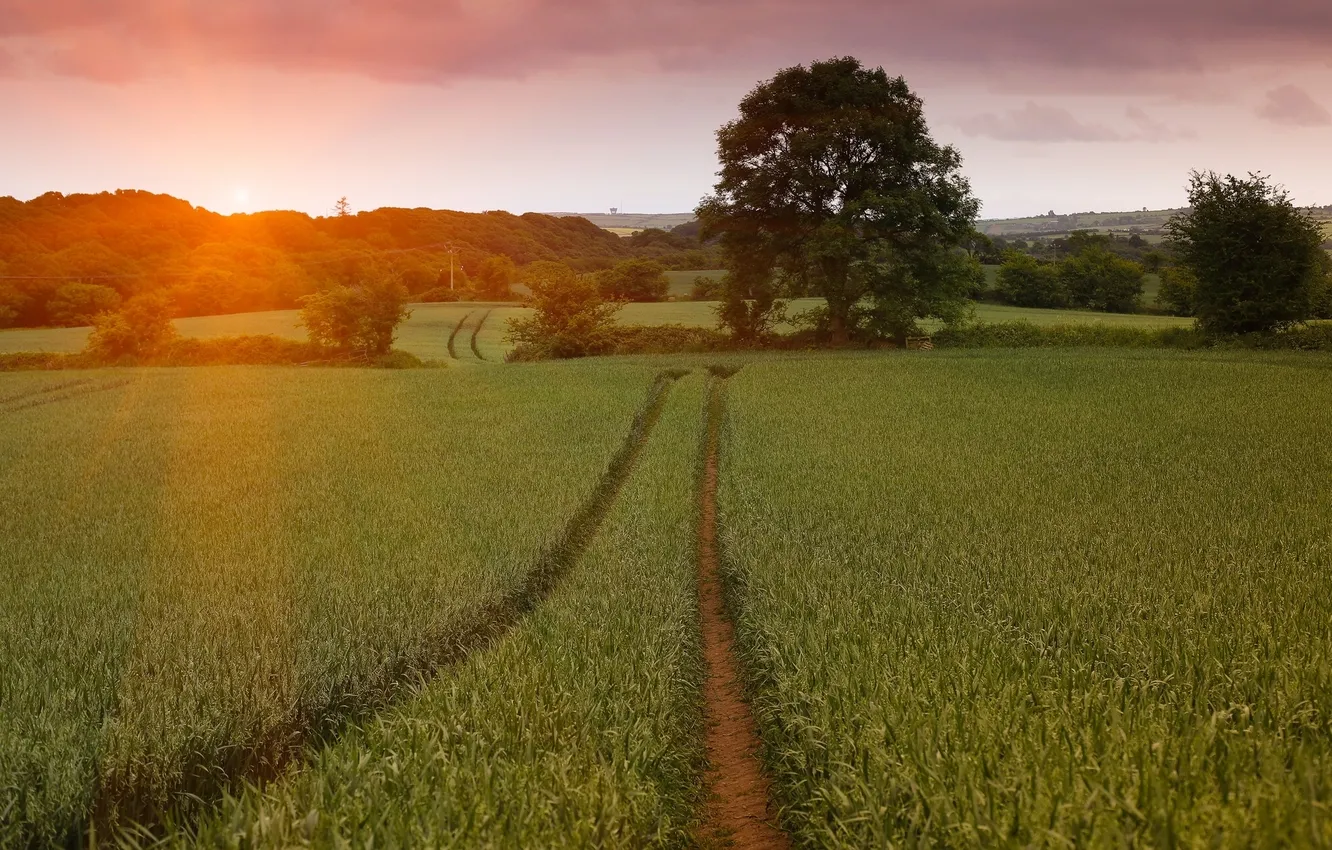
<point>1255,259</point>
<point>831,184</point>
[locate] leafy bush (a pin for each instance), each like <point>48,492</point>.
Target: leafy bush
<point>634,280</point>
<point>1098,280</point>
<point>496,277</point>
<point>438,295</point>
<point>138,330</point>
<point>571,320</point>
<point>1258,260</point>
<point>1025,281</point>
<point>76,304</point>
<point>360,320</point>
<point>1179,290</point>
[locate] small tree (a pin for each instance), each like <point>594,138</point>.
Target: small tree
<point>342,208</point>
<point>495,277</point>
<point>1257,259</point>
<point>634,280</point>
<point>571,319</point>
<point>359,319</point>
<point>1025,281</point>
<point>1178,290</point>
<point>1099,280</point>
<point>138,330</point>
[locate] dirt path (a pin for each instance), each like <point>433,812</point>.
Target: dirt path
<point>738,814</point>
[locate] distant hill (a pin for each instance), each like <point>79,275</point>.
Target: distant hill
<point>625,223</point>
<point>1145,222</point>
<point>64,256</point>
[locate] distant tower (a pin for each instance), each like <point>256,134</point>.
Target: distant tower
<point>615,210</point>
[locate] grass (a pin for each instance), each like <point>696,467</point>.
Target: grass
<point>581,729</point>
<point>205,569</point>
<point>1056,599</point>
<point>682,282</point>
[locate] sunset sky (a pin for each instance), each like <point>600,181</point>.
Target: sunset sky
<point>581,105</point>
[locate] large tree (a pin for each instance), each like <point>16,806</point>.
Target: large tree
<point>1257,259</point>
<point>830,180</point>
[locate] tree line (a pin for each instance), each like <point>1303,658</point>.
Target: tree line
<point>67,258</point>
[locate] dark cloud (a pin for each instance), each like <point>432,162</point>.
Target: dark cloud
<point>1038,123</point>
<point>435,40</point>
<point>1293,107</point>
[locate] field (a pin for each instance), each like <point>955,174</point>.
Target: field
<point>427,333</point>
<point>990,598</point>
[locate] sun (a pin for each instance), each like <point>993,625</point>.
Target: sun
<point>241,195</point>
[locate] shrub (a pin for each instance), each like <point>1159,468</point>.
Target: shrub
<point>138,330</point>
<point>495,277</point>
<point>1178,291</point>
<point>438,295</point>
<point>634,280</point>
<point>360,320</point>
<point>571,320</point>
<point>1258,260</point>
<point>704,289</point>
<point>76,304</point>
<point>1025,281</point>
<point>1098,280</point>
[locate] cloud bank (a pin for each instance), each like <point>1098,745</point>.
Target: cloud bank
<point>1040,123</point>
<point>1292,106</point>
<point>439,40</point>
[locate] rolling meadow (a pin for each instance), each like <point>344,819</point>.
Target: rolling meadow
<point>989,598</point>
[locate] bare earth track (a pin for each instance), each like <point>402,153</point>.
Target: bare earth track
<point>737,814</point>
<point>453,352</point>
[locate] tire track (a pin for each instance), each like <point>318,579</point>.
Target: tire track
<point>477,330</point>
<point>738,812</point>
<point>453,336</point>
<point>353,701</point>
<point>51,395</point>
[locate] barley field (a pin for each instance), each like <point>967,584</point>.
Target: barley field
<point>982,599</point>
<point>1013,600</point>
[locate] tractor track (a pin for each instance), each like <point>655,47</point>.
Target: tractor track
<point>477,330</point>
<point>738,811</point>
<point>121,806</point>
<point>456,328</point>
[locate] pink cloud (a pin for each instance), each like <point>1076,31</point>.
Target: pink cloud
<point>427,40</point>
<point>1293,107</point>
<point>1038,123</point>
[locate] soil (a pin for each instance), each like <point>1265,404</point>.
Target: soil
<point>738,813</point>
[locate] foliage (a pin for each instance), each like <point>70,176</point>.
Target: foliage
<point>138,330</point>
<point>138,242</point>
<point>1178,290</point>
<point>571,320</point>
<point>704,288</point>
<point>830,177</point>
<point>1257,259</point>
<point>634,280</point>
<point>1025,281</point>
<point>259,557</point>
<point>1036,598</point>
<point>1098,280</point>
<point>77,304</point>
<point>360,319</point>
<point>495,278</point>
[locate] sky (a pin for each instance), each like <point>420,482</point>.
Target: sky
<point>584,105</point>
